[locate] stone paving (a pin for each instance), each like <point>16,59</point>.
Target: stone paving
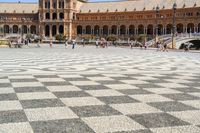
<point>89,90</point>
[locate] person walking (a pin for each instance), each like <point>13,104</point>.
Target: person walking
<point>187,47</point>
<point>18,43</point>
<point>145,46</point>
<point>141,46</point>
<point>83,42</point>
<point>10,44</point>
<point>131,44</point>
<point>165,47</point>
<point>158,46</point>
<point>50,43</point>
<point>73,44</point>
<point>39,42</point>
<point>66,44</point>
<point>97,43</point>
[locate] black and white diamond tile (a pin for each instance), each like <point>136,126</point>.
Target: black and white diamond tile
<point>100,91</point>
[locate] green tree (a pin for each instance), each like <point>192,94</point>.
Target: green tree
<point>60,37</point>
<point>88,37</point>
<point>142,38</point>
<point>29,36</point>
<point>134,38</point>
<point>112,38</point>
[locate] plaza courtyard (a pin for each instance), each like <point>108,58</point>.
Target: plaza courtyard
<point>87,90</point>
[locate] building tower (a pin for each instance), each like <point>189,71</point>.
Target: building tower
<point>56,17</point>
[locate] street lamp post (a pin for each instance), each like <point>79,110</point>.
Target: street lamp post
<point>174,26</point>
<point>157,13</point>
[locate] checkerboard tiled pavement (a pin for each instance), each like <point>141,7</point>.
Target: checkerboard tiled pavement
<point>100,101</point>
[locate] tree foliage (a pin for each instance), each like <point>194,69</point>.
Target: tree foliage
<point>60,37</point>
<point>112,38</point>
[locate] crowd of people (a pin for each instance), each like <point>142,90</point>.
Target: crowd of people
<point>99,43</point>
<point>105,44</point>
<point>18,42</point>
<point>161,46</point>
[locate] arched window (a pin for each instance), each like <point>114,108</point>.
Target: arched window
<point>131,30</point>
<point>169,29</point>
<point>199,28</point>
<point>140,29</point>
<point>61,4</point>
<point>47,30</point>
<point>190,28</point>
<point>74,16</point>
<point>54,4</point>
<point>114,29</point>
<point>33,29</point>
<point>61,15</point>
<point>105,30</point>
<point>54,30</point>
<point>49,5</point>
<point>88,29</point>
<point>96,30</point>
<point>61,29</point>
<point>47,15</point>
<point>54,16</point>
<point>160,29</point>
<point>123,30</point>
<point>15,29</point>
<point>6,28</point>
<point>46,4</point>
<point>24,29</point>
<point>79,29</point>
<point>179,28</point>
<point>150,29</point>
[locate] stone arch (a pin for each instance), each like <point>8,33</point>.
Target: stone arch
<point>33,29</point>
<point>190,28</point>
<point>131,30</point>
<point>96,30</point>
<point>61,15</point>
<point>6,29</point>
<point>47,15</point>
<point>160,29</point>
<point>150,29</point>
<point>47,30</point>
<point>105,30</point>
<point>61,29</point>
<point>114,29</point>
<point>140,29</point>
<point>122,30</point>
<point>179,28</point>
<point>24,29</point>
<point>15,29</point>
<point>79,29</point>
<point>169,28</point>
<point>54,16</point>
<point>88,29</point>
<point>54,30</point>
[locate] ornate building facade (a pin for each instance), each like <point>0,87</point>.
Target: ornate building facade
<point>124,18</point>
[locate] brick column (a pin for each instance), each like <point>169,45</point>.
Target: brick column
<point>50,31</point>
